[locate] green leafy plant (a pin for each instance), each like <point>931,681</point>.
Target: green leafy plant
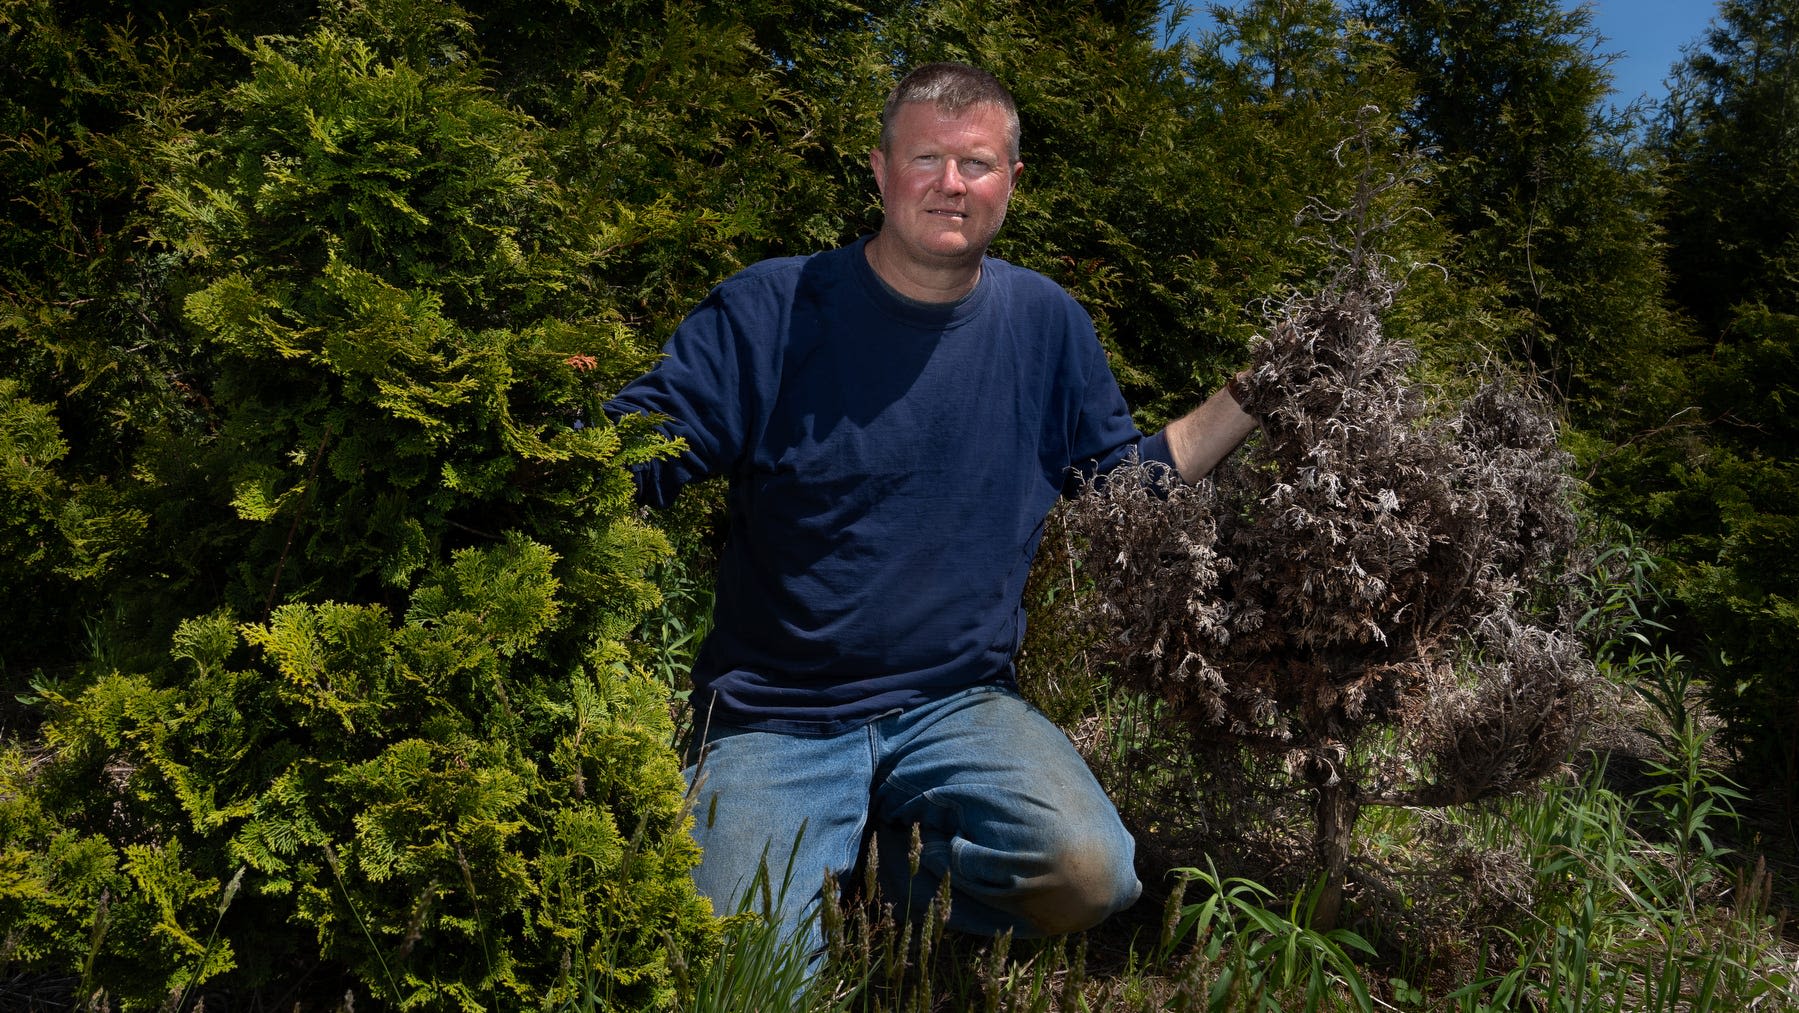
<point>1261,957</point>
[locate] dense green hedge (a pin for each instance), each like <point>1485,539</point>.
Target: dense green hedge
<point>362,561</point>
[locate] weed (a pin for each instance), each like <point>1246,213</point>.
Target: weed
<point>1264,954</point>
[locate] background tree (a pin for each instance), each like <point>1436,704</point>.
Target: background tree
<point>1553,206</point>
<point>1729,133</point>
<point>1165,183</point>
<point>1718,495</point>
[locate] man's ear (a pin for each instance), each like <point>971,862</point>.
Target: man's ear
<point>877,164</point>
<point>1017,172</point>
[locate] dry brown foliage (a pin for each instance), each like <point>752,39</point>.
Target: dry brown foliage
<point>1362,562</point>
<point>1379,556</point>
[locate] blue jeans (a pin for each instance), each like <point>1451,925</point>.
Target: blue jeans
<point>1003,804</point>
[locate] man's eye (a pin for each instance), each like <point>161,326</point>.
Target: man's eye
<point>974,168</point>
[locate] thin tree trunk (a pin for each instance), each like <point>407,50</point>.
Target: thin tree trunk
<point>1335,813</point>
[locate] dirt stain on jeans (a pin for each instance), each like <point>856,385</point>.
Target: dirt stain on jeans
<point>1081,892</point>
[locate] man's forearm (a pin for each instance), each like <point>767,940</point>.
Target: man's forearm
<point>1204,436</point>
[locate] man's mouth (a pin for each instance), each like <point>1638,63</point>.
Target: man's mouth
<point>958,215</point>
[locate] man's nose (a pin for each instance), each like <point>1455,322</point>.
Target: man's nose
<point>950,181</point>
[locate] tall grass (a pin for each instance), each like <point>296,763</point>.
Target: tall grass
<point>1615,927</point>
<point>760,967</point>
<point>1639,907</point>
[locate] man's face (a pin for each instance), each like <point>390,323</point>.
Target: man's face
<point>944,184</point>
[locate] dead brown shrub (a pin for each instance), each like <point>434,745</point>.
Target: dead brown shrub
<point>1380,556</point>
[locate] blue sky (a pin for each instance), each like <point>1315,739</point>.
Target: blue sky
<point>1647,35</point>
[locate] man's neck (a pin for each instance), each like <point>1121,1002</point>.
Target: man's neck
<point>946,285</point>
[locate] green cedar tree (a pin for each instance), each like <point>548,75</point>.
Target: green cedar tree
<point>1552,203</point>
<point>1718,495</point>
<point>363,668</point>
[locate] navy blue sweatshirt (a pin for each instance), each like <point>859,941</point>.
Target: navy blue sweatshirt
<point>890,466</point>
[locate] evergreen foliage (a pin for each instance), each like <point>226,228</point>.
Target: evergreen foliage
<point>1553,205</point>
<point>367,547</point>
<point>1719,492</point>
<point>83,310</point>
<point>1164,185</point>
<point>1730,133</point>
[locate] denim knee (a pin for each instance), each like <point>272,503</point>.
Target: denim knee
<point>1086,881</point>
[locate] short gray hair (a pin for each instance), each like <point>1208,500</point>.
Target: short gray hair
<point>951,87</point>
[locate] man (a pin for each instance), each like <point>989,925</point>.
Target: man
<point>896,418</point>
